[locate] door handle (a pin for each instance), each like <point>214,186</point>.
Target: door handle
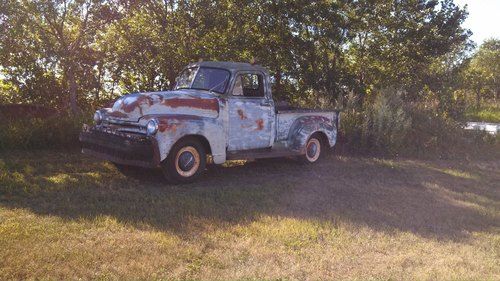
<point>265,103</point>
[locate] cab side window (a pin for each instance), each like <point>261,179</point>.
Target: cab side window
<point>238,88</point>
<point>249,85</point>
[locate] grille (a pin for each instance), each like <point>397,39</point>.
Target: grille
<point>119,145</point>
<point>125,127</point>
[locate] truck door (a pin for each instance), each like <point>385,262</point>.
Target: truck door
<point>251,115</point>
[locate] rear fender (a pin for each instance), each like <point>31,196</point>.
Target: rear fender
<point>304,127</point>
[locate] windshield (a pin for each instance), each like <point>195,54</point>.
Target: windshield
<point>203,78</point>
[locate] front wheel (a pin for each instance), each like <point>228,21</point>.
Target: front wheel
<point>185,162</point>
<point>313,150</point>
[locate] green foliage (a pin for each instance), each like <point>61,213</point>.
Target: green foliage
<point>60,131</point>
<point>48,49</point>
<point>386,124</point>
<point>390,126</point>
<point>483,72</point>
<point>87,51</point>
<point>82,53</point>
<point>487,113</point>
<point>398,42</point>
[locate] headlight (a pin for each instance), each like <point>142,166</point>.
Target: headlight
<point>152,127</point>
<point>97,117</point>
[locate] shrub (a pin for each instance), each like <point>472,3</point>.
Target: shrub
<point>435,134</point>
<point>389,126</point>
<point>351,122</point>
<point>487,113</point>
<point>386,123</point>
<point>57,131</point>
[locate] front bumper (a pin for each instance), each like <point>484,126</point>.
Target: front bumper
<point>121,148</point>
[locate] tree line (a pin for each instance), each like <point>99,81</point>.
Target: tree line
<point>77,54</point>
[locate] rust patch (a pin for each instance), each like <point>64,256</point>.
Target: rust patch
<point>260,124</point>
<point>129,107</point>
<point>118,114</point>
<point>242,114</point>
<point>164,125</point>
<point>207,104</point>
<point>174,117</point>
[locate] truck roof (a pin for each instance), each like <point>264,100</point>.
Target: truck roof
<point>231,66</point>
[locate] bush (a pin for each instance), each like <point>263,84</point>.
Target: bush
<point>386,123</point>
<point>392,127</point>
<point>487,113</point>
<point>60,131</point>
<point>441,136</point>
<point>380,126</point>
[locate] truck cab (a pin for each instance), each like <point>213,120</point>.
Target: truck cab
<point>223,110</point>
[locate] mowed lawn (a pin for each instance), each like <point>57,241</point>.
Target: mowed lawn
<point>66,216</point>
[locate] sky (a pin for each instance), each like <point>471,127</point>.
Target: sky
<point>483,20</point>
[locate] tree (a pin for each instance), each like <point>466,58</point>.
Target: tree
<point>397,42</point>
<point>54,38</point>
<point>484,70</point>
<point>84,50</point>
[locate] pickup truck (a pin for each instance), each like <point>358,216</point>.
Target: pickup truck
<point>221,110</point>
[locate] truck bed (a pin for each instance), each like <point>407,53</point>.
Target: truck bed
<point>286,117</point>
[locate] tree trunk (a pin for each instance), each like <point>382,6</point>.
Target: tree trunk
<point>171,79</point>
<point>72,88</point>
<point>99,82</point>
<point>277,80</point>
<point>478,98</point>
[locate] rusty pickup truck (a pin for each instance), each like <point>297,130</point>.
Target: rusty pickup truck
<point>221,110</point>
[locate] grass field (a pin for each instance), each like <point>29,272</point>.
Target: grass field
<point>65,216</point>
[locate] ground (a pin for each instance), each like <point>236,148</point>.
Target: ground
<point>66,216</point>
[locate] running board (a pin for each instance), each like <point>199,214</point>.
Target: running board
<point>261,153</point>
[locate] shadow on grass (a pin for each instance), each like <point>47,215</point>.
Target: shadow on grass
<point>426,198</point>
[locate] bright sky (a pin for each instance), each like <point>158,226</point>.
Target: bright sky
<point>483,20</point>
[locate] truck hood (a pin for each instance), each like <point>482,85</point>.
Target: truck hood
<point>182,102</point>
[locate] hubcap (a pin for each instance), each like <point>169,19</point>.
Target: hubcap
<point>313,150</point>
<point>187,161</point>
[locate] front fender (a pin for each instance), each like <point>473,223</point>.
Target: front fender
<point>174,127</point>
<point>304,127</point>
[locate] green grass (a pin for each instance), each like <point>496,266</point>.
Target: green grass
<point>489,113</point>
<point>66,216</point>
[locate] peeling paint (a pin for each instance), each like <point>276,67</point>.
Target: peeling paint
<point>228,123</point>
<point>207,104</point>
<point>242,114</point>
<point>118,114</point>
<point>164,125</point>
<point>247,128</point>
<point>130,105</point>
<point>260,124</point>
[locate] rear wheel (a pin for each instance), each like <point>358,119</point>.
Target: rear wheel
<point>185,162</point>
<point>313,150</point>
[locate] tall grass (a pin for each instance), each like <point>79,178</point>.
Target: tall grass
<point>60,131</point>
<point>383,125</point>
<point>386,123</point>
<point>487,113</point>
<point>390,126</point>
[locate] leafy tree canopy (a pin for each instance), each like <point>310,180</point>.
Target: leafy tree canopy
<point>79,53</point>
